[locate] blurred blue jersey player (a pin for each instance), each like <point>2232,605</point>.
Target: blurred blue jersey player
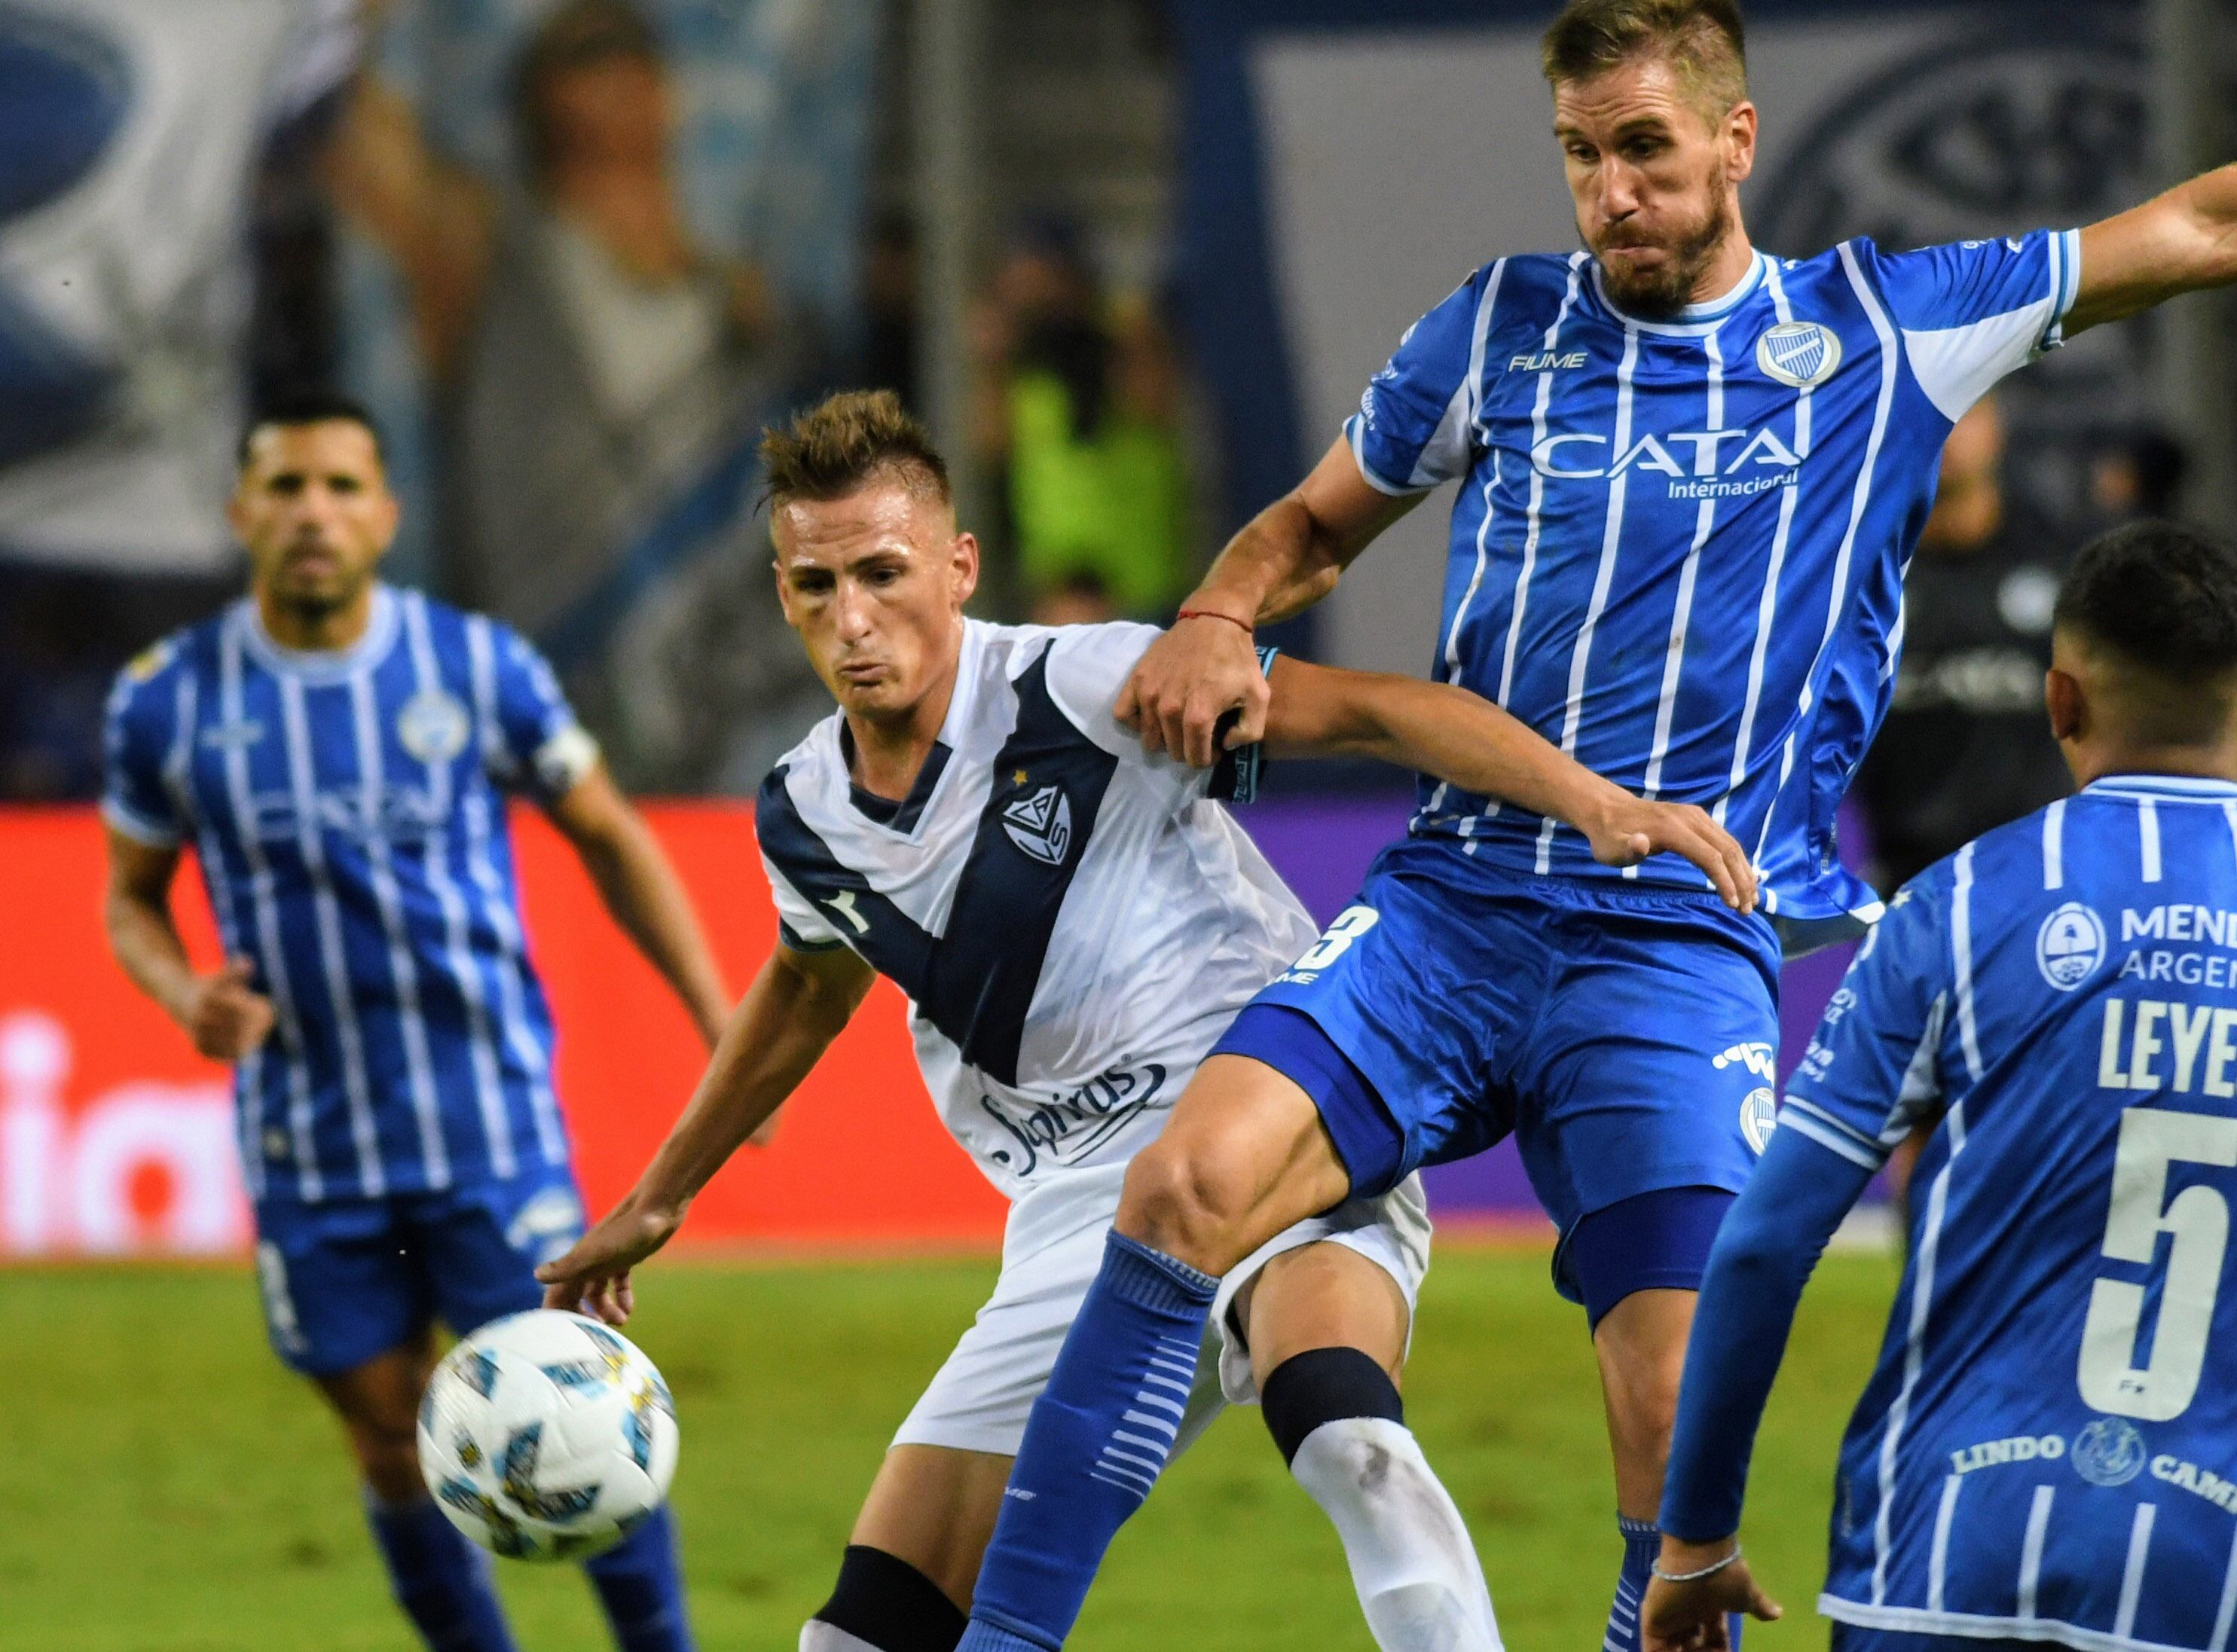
<point>2048,1451</point>
<point>1690,476</point>
<point>337,754</point>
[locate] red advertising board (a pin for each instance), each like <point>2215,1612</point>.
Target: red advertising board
<point>115,1138</point>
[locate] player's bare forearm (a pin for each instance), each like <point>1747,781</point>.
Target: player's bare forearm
<point>1287,557</point>
<point>221,1013</point>
<point>640,887</point>
<point>136,913</point>
<point>1466,740</point>
<point>797,1004</point>
<point>2182,241</point>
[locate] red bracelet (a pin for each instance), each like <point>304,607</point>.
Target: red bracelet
<point>1214,614</point>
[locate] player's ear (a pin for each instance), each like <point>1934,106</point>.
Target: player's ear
<point>963,568</point>
<point>2062,697</point>
<point>1739,142</point>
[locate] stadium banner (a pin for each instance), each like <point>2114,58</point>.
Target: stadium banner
<point>116,1140</point>
<point>1345,164</point>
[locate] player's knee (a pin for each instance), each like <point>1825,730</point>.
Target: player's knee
<point>1183,1204</point>
<point>387,1452</point>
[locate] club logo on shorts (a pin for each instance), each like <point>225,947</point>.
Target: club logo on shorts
<point>1758,1118</point>
<point>2109,1452</point>
<point>1800,354</point>
<point>547,1225</point>
<point>2069,946</point>
<point>432,726</point>
<point>1041,825</point>
<point>1756,1056</point>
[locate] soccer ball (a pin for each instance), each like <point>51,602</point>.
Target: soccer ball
<point>546,1436</point>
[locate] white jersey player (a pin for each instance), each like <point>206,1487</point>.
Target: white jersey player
<point>1074,922</point>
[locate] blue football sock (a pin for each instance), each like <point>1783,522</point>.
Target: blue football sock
<point>1642,1543</point>
<point>1094,1445</point>
<point>640,1583</point>
<point>440,1580</point>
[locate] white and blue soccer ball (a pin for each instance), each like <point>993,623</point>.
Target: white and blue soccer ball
<point>547,1436</point>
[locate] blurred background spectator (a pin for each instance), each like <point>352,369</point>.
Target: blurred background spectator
<point>1077,411</point>
<point>1965,746</point>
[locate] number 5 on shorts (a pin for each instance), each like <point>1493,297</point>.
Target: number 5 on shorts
<point>1351,923</point>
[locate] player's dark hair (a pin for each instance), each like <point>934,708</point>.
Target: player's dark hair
<point>1704,40</point>
<point>834,448</point>
<point>2161,599</point>
<point>307,404</point>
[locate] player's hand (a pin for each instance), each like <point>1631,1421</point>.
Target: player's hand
<point>1190,679</point>
<point>593,1278</point>
<point>1690,1617</point>
<point>1626,830</point>
<point>227,1017</point>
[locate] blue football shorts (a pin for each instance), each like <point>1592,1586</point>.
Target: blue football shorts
<point>345,1280</point>
<point>1625,1034</point>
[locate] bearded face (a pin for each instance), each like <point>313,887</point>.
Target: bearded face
<point>1654,271</point>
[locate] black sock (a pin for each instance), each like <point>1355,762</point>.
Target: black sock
<point>1323,1385</point>
<point>883,1600</point>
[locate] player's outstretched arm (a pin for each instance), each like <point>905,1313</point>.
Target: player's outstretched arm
<point>797,1004</point>
<point>642,891</point>
<point>224,1016</point>
<point>1463,739</point>
<point>2176,243</point>
<point>1286,558</point>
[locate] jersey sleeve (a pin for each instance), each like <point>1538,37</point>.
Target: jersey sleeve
<point>1087,667</point>
<point>1412,429</point>
<point>799,925</point>
<point>141,729</point>
<point>1972,312</point>
<point>540,748</point>
<point>1873,1070</point>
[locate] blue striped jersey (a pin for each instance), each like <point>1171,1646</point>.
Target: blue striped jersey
<point>1677,547</point>
<point>346,810</point>
<point>2048,1448</point>
<point>1074,922</point>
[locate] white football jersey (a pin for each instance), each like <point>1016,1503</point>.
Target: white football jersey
<point>1074,922</point>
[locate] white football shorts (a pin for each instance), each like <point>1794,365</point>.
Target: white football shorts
<point>1052,1250</point>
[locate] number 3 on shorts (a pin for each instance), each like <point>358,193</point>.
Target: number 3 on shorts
<point>1351,923</point>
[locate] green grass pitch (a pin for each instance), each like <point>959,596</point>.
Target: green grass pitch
<point>165,1487</point>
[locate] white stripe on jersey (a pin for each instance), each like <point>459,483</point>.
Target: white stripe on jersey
<point>2223,1618</point>
<point>2147,831</point>
<point>1611,538</point>
<point>1537,484</point>
<point>1837,602</point>
<point>2132,1575</point>
<point>1921,1299</point>
<point>309,1183</point>
<point>2053,845</point>
<point>419,1066</point>
<point>1938,1559</point>
<point>373,1180</point>
<point>1674,661</point>
<point>1961,946</point>
<point>481,1044</point>
<point>549,1135</point>
<point>1767,610</point>
<point>2031,1549</point>
<point>1474,389</point>
<point>2229,813</point>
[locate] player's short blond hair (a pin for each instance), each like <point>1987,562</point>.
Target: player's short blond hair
<point>1704,40</point>
<point>845,442</point>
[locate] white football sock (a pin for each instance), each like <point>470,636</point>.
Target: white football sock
<point>817,1635</point>
<point>1412,1562</point>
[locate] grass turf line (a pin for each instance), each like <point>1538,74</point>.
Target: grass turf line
<point>168,1487</point>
